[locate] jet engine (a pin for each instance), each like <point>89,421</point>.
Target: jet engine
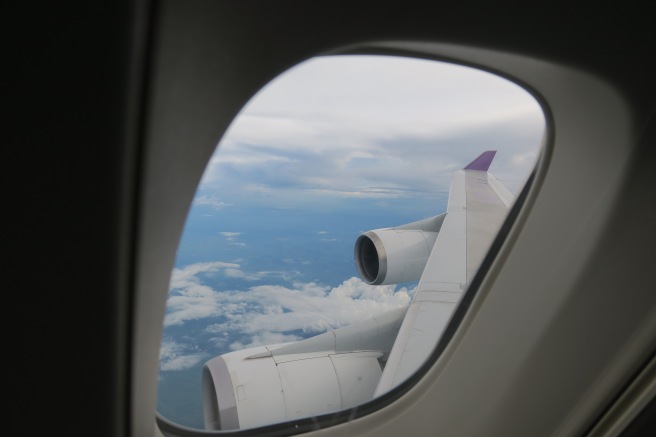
<point>333,371</point>
<point>398,254</point>
<point>252,387</point>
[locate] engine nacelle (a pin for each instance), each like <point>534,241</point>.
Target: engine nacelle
<point>398,254</point>
<point>252,387</point>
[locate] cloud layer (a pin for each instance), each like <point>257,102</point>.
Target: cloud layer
<point>374,126</point>
<point>265,314</point>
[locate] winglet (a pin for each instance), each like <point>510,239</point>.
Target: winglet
<point>483,161</point>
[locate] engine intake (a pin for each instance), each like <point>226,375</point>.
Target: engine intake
<point>398,254</point>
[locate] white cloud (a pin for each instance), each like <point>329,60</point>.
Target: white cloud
<point>187,276</point>
<point>177,356</point>
<point>272,312</point>
<point>384,96</point>
<point>212,201</point>
<point>230,236</point>
<point>309,307</point>
<point>372,126</point>
<point>236,273</point>
<point>189,298</point>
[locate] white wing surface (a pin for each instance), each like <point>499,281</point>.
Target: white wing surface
<point>477,206</point>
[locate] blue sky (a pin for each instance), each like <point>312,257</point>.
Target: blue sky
<point>334,147</point>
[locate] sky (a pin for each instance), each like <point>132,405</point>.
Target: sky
<point>332,148</point>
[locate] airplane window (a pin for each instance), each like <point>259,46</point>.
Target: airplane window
<point>331,222</point>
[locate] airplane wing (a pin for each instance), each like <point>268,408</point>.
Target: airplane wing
<point>345,367</point>
<point>478,203</point>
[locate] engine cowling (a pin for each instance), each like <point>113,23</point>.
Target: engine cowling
<point>252,387</point>
<point>398,254</point>
<point>336,370</point>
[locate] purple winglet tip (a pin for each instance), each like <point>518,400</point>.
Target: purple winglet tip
<point>483,161</point>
